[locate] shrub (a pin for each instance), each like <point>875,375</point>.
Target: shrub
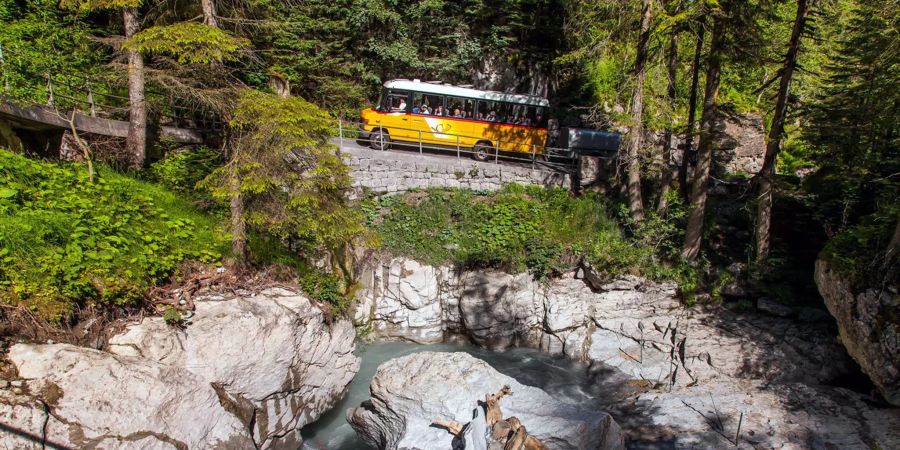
<point>65,241</point>
<point>182,169</point>
<point>327,288</point>
<point>543,231</point>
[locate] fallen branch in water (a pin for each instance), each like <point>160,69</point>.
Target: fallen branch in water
<point>509,433</point>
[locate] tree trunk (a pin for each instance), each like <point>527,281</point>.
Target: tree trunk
<point>668,174</point>
<point>773,146</point>
<point>209,13</point>
<point>635,202</point>
<point>692,113</point>
<point>136,142</point>
<point>705,148</point>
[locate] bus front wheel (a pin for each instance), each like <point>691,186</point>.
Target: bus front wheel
<point>379,140</point>
<point>481,152</point>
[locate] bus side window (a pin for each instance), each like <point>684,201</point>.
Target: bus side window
<point>505,113</point>
<point>488,111</point>
<point>396,101</point>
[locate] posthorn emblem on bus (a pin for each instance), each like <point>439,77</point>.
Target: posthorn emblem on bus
<point>438,126</point>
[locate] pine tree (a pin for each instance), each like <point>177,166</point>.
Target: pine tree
<point>854,122</point>
<point>737,39</point>
<point>283,176</point>
<point>773,145</point>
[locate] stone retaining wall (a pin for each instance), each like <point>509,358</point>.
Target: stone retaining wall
<point>386,172</point>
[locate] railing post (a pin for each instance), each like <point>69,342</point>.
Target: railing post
<point>420,141</point>
<point>497,153</point>
<point>90,98</point>
<point>49,89</point>
<point>457,146</point>
<point>340,133</point>
<point>533,156</point>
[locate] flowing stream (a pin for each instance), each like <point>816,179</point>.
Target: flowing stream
<point>557,376</point>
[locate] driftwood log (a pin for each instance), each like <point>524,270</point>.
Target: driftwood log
<point>509,433</point>
<point>492,413</point>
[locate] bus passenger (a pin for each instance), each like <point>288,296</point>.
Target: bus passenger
<point>438,110</point>
<point>457,113</point>
<point>416,109</point>
<point>426,109</point>
<point>492,116</point>
<point>402,106</point>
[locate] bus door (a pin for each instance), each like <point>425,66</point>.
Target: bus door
<point>396,105</point>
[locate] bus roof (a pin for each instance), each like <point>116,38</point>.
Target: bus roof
<point>457,91</point>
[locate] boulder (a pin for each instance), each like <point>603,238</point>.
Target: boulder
<point>271,357</point>
<point>868,326</point>
<point>411,392</point>
<point>99,400</point>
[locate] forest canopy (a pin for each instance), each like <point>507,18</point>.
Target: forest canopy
<point>270,77</point>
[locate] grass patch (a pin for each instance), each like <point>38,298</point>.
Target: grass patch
<point>543,231</point>
<point>66,242</point>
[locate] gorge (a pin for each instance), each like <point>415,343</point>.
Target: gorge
<point>264,366</point>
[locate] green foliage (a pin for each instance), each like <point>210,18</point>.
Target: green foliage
<point>65,242</point>
<point>188,42</point>
<point>715,291</point>
<point>37,38</point>
<point>292,181</point>
<point>99,5</point>
<point>337,53</point>
<point>327,288</point>
<point>172,316</point>
<point>543,231</point>
<point>859,251</point>
<point>182,170</point>
<point>852,123</point>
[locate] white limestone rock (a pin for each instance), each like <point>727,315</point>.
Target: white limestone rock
<point>411,392</point>
<point>498,310</point>
<point>868,326</point>
<point>101,400</point>
<point>272,357</point>
<point>779,416</point>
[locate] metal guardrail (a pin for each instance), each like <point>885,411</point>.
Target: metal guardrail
<point>545,157</point>
<point>97,98</point>
<point>84,95</point>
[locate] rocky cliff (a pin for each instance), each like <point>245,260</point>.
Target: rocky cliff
<point>247,371</point>
<point>701,378</point>
<point>869,326</point>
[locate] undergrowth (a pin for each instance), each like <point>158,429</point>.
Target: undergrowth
<point>859,252</point>
<point>65,241</point>
<point>543,231</point>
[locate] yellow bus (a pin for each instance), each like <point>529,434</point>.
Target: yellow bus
<point>438,115</point>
